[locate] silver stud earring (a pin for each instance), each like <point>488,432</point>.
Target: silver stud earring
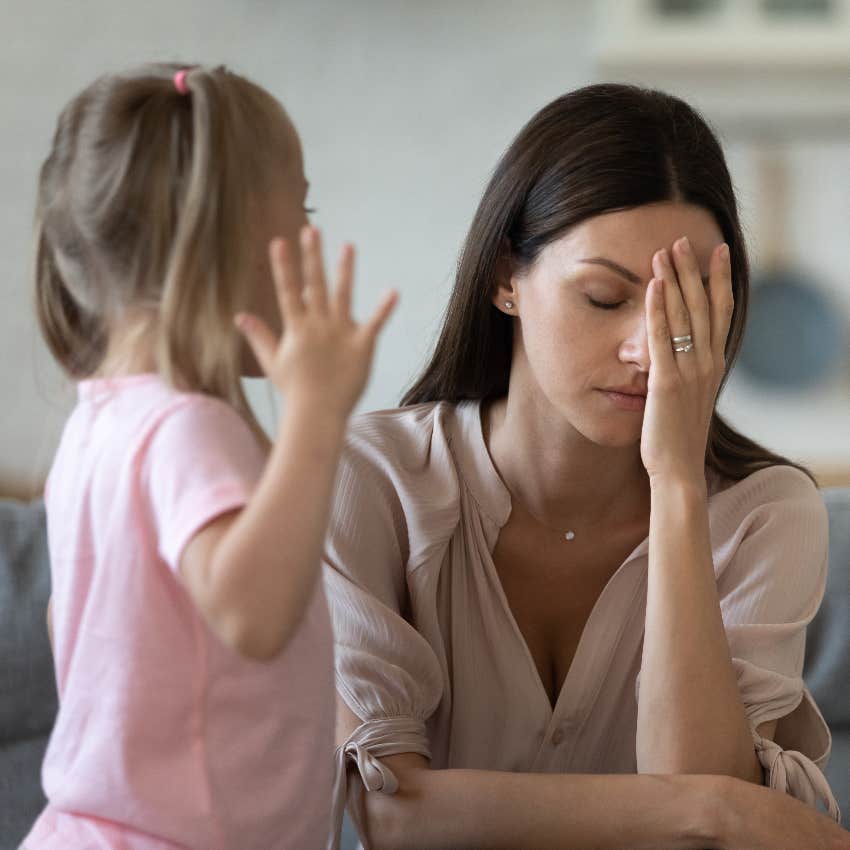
<point>509,305</point>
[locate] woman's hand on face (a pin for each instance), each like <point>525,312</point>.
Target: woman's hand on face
<point>324,356</point>
<point>683,385</point>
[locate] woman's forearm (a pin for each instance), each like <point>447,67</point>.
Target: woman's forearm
<point>690,717</point>
<point>491,810</point>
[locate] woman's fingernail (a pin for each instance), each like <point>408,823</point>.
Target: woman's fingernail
<point>724,252</point>
<point>683,244</point>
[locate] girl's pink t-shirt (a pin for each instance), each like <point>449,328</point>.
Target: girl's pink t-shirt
<point>165,738</point>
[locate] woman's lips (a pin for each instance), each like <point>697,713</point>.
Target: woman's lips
<point>625,401</point>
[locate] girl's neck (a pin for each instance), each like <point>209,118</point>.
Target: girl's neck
<point>129,351</point>
<point>558,475</point>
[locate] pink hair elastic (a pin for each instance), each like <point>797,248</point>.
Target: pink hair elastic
<point>180,81</point>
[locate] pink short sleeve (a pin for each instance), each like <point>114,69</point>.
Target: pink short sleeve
<point>202,460</point>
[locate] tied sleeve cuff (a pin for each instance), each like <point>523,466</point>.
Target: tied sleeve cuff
<point>369,742</point>
<point>793,773</point>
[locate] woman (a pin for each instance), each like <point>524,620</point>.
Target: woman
<point>556,565</point>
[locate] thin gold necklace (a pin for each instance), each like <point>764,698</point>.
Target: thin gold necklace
<point>568,535</point>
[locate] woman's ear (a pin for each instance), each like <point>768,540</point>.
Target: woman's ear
<point>505,293</point>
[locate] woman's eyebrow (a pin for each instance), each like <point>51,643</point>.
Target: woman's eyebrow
<point>631,277</point>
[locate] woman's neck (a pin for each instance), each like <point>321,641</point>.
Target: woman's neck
<point>559,476</point>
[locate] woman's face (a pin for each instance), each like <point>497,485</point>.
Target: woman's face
<point>580,333</point>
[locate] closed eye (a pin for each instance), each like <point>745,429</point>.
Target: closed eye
<point>605,305</point>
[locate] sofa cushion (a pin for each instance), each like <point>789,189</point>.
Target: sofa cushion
<point>838,771</point>
<point>827,666</point>
<point>27,683</point>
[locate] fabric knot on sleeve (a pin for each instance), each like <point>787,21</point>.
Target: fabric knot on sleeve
<point>371,741</point>
<point>794,773</point>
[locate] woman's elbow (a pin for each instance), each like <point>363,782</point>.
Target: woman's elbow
<point>391,821</point>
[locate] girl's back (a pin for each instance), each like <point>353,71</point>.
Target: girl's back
<point>162,728</point>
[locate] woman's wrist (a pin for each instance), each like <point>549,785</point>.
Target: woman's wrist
<point>687,488</point>
<point>715,808</point>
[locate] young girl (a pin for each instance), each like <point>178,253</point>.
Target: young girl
<point>192,639</point>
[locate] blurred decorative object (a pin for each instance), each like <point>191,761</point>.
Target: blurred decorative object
<point>794,337</point>
<point>757,67</point>
<point>760,34</point>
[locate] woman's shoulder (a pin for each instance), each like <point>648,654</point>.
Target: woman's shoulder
<point>777,481</point>
<point>398,479</point>
<point>410,461</point>
<point>779,492</point>
<point>403,441</point>
<point>397,426</point>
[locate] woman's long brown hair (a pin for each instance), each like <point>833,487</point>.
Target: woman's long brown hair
<point>601,148</point>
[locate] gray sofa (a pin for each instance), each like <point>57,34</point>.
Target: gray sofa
<point>827,667</point>
<point>28,695</point>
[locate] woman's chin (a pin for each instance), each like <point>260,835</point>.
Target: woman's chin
<point>611,434</point>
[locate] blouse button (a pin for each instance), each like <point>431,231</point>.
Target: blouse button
<point>557,737</point>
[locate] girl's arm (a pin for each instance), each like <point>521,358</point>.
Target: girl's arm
<point>251,572</point>
<point>690,716</point>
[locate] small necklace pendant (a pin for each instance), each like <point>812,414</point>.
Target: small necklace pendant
<point>570,535</point>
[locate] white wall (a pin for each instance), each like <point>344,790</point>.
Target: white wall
<point>403,108</point>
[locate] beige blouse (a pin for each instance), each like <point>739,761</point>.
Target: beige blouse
<point>430,658</point>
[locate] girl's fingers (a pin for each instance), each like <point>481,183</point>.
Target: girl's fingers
<point>678,319</point>
<point>315,287</point>
<point>287,281</point>
<point>693,293</point>
<point>381,314</point>
<point>721,299</point>
<point>345,280</point>
<point>661,357</point>
<point>260,339</point>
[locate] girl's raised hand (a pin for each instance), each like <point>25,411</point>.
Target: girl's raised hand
<point>324,356</point>
<point>683,384</point>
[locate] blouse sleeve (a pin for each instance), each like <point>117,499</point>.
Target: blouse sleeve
<point>770,582</point>
<point>386,672</point>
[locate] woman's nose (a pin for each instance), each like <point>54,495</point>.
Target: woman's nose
<point>635,345</point>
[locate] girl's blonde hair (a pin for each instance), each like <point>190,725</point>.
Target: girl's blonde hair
<point>146,204</point>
